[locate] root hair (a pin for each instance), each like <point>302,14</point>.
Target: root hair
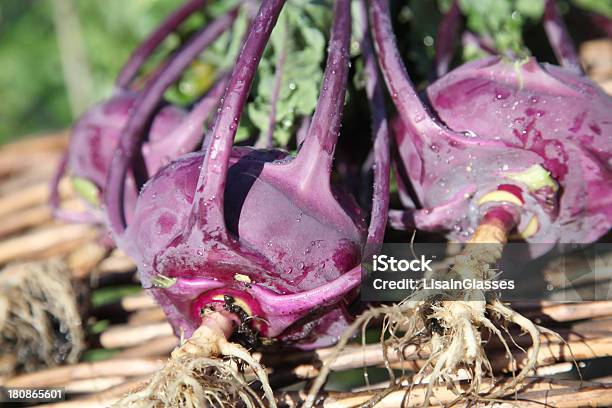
<point>207,370</point>
<point>39,318</point>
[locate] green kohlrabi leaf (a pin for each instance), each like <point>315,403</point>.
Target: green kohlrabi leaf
<point>300,35</point>
<point>217,58</point>
<point>502,20</point>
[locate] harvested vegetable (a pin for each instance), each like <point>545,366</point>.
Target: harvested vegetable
<point>276,237</point>
<point>531,134</point>
<point>173,131</point>
<point>246,239</point>
<point>257,238</point>
<point>479,177</point>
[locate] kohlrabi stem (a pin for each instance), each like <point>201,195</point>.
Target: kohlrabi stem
<point>559,38</point>
<point>380,133</point>
<point>495,225</point>
<point>314,160</point>
<point>131,138</point>
<point>150,44</point>
<point>208,204</point>
<point>487,242</point>
<point>446,38</point>
<point>411,109</point>
<point>186,137</point>
<point>266,140</point>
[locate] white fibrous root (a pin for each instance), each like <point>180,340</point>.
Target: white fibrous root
<point>40,322</point>
<point>207,370</point>
<point>449,325</point>
<point>461,317</point>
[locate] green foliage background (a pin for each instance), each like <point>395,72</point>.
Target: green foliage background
<point>33,96</point>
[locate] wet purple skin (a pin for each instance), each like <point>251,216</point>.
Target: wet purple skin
<point>283,247</point>
<point>96,135</point>
<point>564,119</point>
<point>265,227</point>
<point>170,131</point>
<point>492,118</point>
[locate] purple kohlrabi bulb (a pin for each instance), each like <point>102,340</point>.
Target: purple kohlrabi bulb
<point>254,228</point>
<point>95,137</point>
<point>170,131</point>
<point>565,119</point>
<point>537,137</point>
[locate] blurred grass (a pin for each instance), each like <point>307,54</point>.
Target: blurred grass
<point>33,95</point>
<point>111,294</point>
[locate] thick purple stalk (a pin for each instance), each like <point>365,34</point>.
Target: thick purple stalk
<point>380,133</point>
<point>314,160</point>
<point>129,146</point>
<point>211,182</point>
<point>149,45</point>
<point>186,137</point>
<point>446,37</point>
<point>415,114</point>
<point>406,100</point>
<point>559,38</point>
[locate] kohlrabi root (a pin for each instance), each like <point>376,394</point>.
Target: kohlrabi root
<point>207,370</point>
<point>452,326</point>
<point>39,317</point>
